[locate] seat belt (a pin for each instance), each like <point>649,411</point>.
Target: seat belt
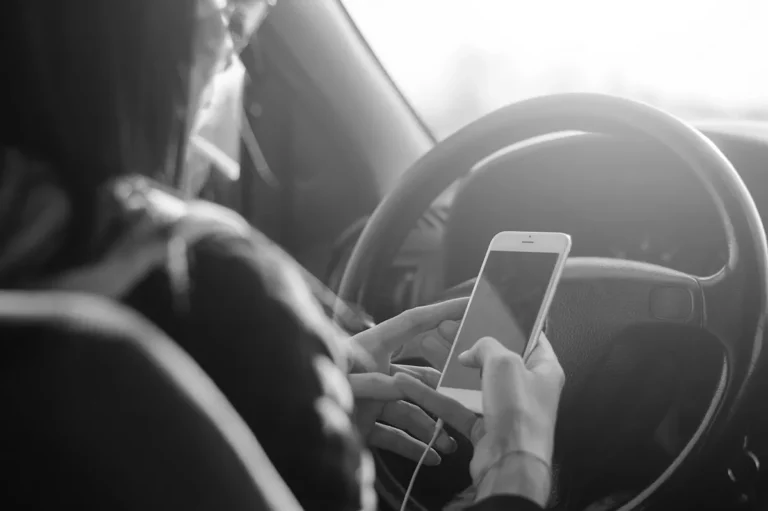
<point>248,185</point>
<point>255,153</point>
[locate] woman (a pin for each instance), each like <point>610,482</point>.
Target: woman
<point>100,93</point>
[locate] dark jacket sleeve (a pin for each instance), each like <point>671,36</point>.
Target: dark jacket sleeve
<point>505,503</point>
<point>243,323</point>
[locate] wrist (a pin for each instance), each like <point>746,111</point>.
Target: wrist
<point>518,473</point>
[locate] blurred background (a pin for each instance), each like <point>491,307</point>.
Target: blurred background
<point>456,60</point>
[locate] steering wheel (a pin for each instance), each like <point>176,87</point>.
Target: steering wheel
<point>599,297</point>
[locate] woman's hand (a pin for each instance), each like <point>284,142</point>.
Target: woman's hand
<point>434,345</point>
<point>514,440</point>
<point>391,408</point>
<point>383,394</point>
<point>437,321</point>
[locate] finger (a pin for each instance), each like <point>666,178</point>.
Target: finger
<point>427,375</point>
<point>482,352</point>
<point>429,317</point>
<point>394,332</point>
<point>430,400</point>
<point>542,359</point>
<point>359,360</point>
<point>414,420</point>
<point>435,348</point>
<point>448,329</point>
<point>378,386</point>
<point>397,441</point>
<point>541,353</point>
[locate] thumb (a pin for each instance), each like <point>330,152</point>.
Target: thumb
<point>483,351</point>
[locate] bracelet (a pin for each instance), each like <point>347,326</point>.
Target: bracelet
<point>518,452</point>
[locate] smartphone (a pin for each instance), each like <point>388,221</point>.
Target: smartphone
<point>509,302</point>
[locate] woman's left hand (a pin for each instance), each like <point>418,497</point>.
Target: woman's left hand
<point>382,394</point>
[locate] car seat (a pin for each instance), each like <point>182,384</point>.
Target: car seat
<point>102,411</point>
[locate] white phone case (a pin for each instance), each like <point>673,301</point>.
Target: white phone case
<point>514,241</point>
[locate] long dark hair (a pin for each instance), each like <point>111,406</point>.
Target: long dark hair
<point>98,88</point>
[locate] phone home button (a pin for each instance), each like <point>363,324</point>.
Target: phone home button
<point>671,303</point>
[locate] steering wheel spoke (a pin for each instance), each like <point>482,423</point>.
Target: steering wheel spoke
<point>632,292</point>
<point>724,309</point>
<point>609,295</point>
<point>599,298</point>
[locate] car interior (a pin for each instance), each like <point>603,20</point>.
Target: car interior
<point>659,319</point>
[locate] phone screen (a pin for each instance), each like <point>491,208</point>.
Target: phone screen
<point>505,304</point>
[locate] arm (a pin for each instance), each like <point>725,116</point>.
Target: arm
<point>244,324</point>
<point>516,484</point>
<point>517,475</point>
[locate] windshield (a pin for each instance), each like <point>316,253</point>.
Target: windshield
<point>455,60</point>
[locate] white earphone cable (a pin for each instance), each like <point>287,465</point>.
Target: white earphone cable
<point>407,497</point>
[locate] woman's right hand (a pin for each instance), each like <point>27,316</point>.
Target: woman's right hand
<point>514,440</point>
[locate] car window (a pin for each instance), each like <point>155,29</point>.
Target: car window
<point>455,60</point>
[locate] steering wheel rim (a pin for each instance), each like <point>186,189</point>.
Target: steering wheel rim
<point>730,304</point>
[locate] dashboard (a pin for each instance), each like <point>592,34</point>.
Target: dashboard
<point>623,198</point>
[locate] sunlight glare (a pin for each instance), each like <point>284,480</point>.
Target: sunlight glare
<point>703,51</point>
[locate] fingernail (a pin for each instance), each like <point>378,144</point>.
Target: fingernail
<point>444,443</point>
<point>449,445</point>
<point>433,459</point>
